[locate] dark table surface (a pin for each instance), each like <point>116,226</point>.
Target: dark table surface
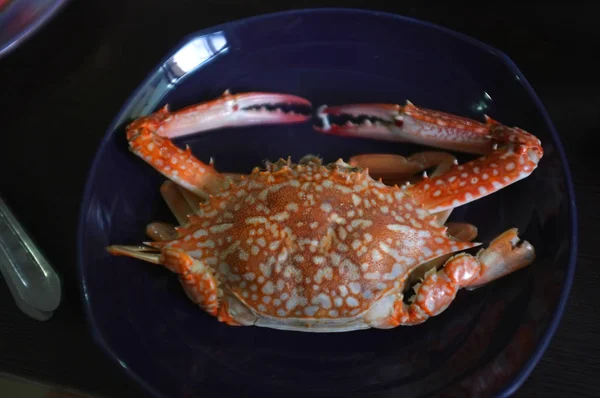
<point>60,90</point>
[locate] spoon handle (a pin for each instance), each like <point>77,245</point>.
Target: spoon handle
<point>31,279</point>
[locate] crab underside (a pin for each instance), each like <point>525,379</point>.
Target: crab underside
<point>331,247</point>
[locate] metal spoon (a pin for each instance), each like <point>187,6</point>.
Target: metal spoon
<point>35,286</point>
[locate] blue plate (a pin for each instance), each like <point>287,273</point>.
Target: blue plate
<point>487,342</point>
<point>20,19</point>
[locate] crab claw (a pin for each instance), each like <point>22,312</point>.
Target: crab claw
<point>229,110</point>
<point>150,136</point>
<point>407,123</point>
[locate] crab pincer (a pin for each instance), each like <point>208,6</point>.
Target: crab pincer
<point>409,123</point>
<point>150,137</point>
<point>509,154</point>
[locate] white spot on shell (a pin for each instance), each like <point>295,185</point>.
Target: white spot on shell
<point>318,260</point>
<point>397,270</point>
<point>311,311</point>
<point>256,220</point>
<point>199,233</point>
<point>292,303</point>
<point>376,255</point>
<point>426,251</point>
<point>326,207</point>
<point>268,288</point>
<point>220,228</point>
<point>284,215</point>
<point>243,255</point>
<point>323,300</point>
<point>343,290</point>
<point>354,287</point>
<point>372,275</point>
<point>398,228</point>
<point>352,302</point>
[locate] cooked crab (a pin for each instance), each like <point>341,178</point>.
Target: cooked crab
<point>320,247</point>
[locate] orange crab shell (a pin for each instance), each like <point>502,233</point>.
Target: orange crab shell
<point>309,241</point>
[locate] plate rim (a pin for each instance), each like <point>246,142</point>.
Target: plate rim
<point>519,377</point>
<point>30,30</point>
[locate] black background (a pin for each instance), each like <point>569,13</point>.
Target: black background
<point>59,95</point>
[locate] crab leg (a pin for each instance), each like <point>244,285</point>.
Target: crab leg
<point>396,169</point>
<point>392,168</point>
<point>438,289</point>
<point>463,232</point>
<point>182,204</point>
<point>198,280</point>
<point>176,202</point>
<point>161,232</point>
<point>510,153</point>
<point>516,159</point>
<point>192,199</point>
<point>150,136</point>
<point>174,197</point>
